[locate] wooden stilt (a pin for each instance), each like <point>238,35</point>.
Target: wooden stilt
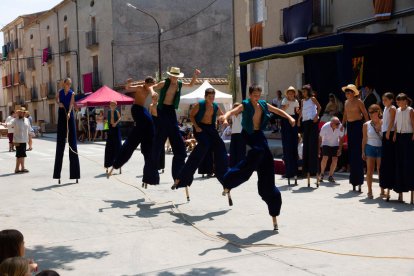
<point>275,226</point>
<point>317,181</point>
<point>120,170</point>
<point>77,180</point>
<point>308,180</point>
<point>110,172</point>
<point>288,181</point>
<point>412,197</point>
<point>388,194</point>
<point>400,197</point>
<point>187,194</point>
<point>359,189</point>
<point>59,181</point>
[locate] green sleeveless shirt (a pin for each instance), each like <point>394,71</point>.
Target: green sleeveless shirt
<point>202,111</point>
<point>248,112</point>
<point>164,90</point>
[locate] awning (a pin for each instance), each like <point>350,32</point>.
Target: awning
<point>345,44</point>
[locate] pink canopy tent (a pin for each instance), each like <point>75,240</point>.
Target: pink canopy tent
<point>103,96</point>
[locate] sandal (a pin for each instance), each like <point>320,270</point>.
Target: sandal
<point>331,179</point>
<point>24,171</point>
<point>370,196</point>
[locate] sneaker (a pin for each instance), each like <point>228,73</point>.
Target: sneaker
<point>321,178</point>
<point>331,179</point>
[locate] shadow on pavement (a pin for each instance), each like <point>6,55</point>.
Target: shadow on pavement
<point>392,204</point>
<point>146,209</point>
<point>8,174</point>
<point>304,190</point>
<point>230,247</point>
<point>119,204</point>
<point>60,257</point>
<point>349,194</point>
<point>53,187</point>
<point>210,216</point>
<point>200,271</point>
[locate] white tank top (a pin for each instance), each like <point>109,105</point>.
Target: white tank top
<point>386,120</point>
<point>374,138</point>
<point>403,120</point>
<point>309,110</point>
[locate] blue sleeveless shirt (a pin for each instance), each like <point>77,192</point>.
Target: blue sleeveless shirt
<point>65,99</point>
<point>202,111</point>
<point>248,112</point>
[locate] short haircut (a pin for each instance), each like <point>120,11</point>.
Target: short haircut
<point>14,266</point>
<point>388,95</point>
<point>48,273</point>
<point>10,242</point>
<point>67,80</point>
<point>149,79</point>
<point>209,91</point>
<point>255,87</point>
<point>404,97</point>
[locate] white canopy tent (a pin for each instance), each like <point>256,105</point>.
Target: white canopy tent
<point>198,94</point>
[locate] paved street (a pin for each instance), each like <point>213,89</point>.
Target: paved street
<point>102,227</point>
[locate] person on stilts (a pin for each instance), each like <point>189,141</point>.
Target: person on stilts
<point>203,117</point>
<point>255,116</point>
<point>66,128</point>
<point>142,133</point>
<point>354,116</point>
<point>114,140</point>
<point>169,99</point>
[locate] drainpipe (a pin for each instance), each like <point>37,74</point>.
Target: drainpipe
<point>234,56</point>
<point>58,29</point>
<point>77,54</point>
<point>113,71</point>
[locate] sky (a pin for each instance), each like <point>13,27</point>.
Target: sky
<point>10,10</point>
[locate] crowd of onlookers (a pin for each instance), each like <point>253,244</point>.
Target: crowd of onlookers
<point>12,256</point>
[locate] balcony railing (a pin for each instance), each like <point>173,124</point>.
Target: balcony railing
<point>17,45</point>
<point>34,94</point>
<point>96,80</point>
<point>322,18</point>
<point>16,78</point>
<point>31,63</point>
<point>19,100</point>
<point>91,39</point>
<point>9,80</point>
<point>64,46</point>
<point>51,91</point>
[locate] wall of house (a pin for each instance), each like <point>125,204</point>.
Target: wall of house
<point>135,35</point>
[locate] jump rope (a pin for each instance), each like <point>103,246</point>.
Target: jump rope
<point>175,209</point>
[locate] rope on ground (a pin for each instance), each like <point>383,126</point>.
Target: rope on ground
<point>177,210</point>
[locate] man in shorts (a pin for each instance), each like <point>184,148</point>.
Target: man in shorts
<point>330,145</point>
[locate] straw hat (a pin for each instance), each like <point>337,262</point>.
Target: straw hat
<point>175,72</point>
<point>351,87</point>
<point>291,88</point>
<point>21,109</point>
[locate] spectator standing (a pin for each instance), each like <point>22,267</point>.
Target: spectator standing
<point>237,143</point>
<point>387,169</point>
<point>113,143</point>
<point>31,131</point>
<point>330,146</point>
<point>276,102</point>
<point>99,125</point>
<point>404,148</point>
<point>10,130</point>
<point>372,144</point>
<point>21,127</point>
<point>290,134</point>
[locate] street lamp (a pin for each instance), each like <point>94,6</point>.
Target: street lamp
<point>159,36</point>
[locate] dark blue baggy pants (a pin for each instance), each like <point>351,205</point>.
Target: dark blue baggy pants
<point>310,147</point>
<point>169,129</point>
<point>290,148</point>
<point>113,145</point>
<point>387,169</point>
<point>161,160</point>
<point>237,149</point>
<point>260,159</point>
<point>404,173</point>
<point>74,168</point>
<point>207,164</point>
<point>356,164</point>
<point>208,139</point>
<point>142,133</point>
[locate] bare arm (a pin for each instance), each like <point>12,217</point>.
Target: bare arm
<point>158,86</point>
<point>412,121</point>
<point>344,118</point>
<point>391,123</point>
<point>282,113</point>
<point>363,110</point>
<point>72,103</point>
<point>193,80</point>
<point>364,140</point>
<point>119,117</point>
<point>193,113</point>
<point>318,106</point>
<point>234,111</point>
